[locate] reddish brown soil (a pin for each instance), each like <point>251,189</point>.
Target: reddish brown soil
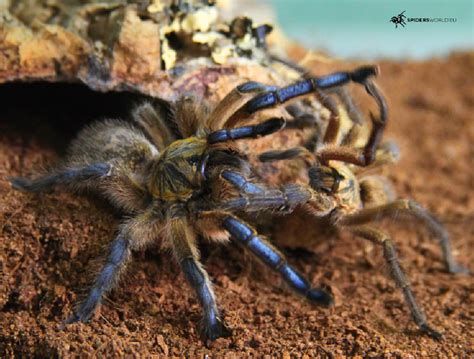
<point>48,246</point>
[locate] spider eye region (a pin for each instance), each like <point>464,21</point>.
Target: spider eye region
<point>194,160</point>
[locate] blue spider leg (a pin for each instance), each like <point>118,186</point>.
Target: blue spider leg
<point>119,253</point>
<point>67,176</point>
<point>366,156</point>
<point>301,88</point>
<point>341,92</point>
<point>262,129</point>
<point>212,327</point>
<point>234,100</point>
<point>253,86</point>
<point>241,183</point>
<point>295,152</point>
<point>260,247</point>
<point>184,244</point>
<point>284,199</point>
<point>254,197</point>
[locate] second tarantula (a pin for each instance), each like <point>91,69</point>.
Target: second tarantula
<point>172,188</point>
<point>350,199</point>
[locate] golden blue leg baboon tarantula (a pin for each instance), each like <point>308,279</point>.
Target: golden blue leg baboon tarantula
<point>175,189</point>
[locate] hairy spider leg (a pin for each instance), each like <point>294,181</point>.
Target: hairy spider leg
<point>288,197</point>
<point>134,234</point>
<point>301,88</point>
<point>386,153</point>
<point>262,129</point>
<point>303,119</point>
<point>119,254</point>
<point>300,118</point>
<point>184,245</point>
<point>246,236</point>
<point>382,239</point>
<point>414,209</point>
<point>295,152</point>
<point>366,156</point>
<point>241,183</point>
<point>68,176</point>
<point>334,123</point>
<point>341,92</point>
<point>259,197</point>
<point>233,101</point>
<point>360,157</point>
<point>154,124</point>
<point>348,103</point>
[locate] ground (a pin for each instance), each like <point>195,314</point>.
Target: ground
<point>49,245</point>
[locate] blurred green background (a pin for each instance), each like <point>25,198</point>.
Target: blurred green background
<point>362,28</point>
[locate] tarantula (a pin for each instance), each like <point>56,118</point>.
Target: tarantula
<point>350,199</point>
<point>173,189</point>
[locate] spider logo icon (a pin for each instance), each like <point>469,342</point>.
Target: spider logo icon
<point>399,19</point>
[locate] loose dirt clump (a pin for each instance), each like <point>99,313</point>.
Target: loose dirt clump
<point>49,244</point>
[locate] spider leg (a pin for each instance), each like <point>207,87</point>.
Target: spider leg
<point>295,152</point>
<point>184,246</point>
<point>346,100</point>
<point>370,154</point>
<point>68,176</point>
<point>256,197</point>
<point>245,235</point>
<point>366,156</point>
<point>303,119</point>
<point>352,136</point>
<point>108,180</point>
<point>119,254</point>
<point>386,153</point>
<point>284,199</point>
<point>376,190</point>
<point>262,129</point>
<point>417,211</point>
<point>148,117</point>
<point>342,94</point>
<point>334,123</point>
<point>133,234</point>
<point>233,101</point>
<point>301,88</point>
<point>241,183</point>
<point>270,199</point>
<point>109,157</point>
<point>380,238</point>
<point>300,118</point>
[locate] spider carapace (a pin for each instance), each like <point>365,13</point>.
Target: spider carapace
<point>174,176</point>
